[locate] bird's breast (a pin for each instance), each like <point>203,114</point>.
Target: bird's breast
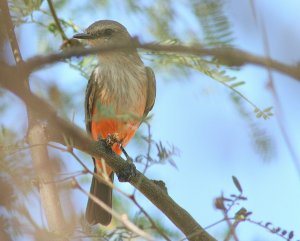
<point>122,89</point>
<point>119,103</point>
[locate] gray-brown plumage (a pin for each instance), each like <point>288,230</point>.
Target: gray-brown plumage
<point>125,87</point>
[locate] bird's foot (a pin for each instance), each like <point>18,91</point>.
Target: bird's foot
<point>127,173</point>
<point>111,139</point>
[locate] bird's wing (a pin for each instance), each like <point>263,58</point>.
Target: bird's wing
<point>151,91</point>
<point>89,101</point>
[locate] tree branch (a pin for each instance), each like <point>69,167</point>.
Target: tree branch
<point>48,192</point>
<point>36,135</point>
<point>63,131</point>
<point>229,56</point>
<point>9,27</point>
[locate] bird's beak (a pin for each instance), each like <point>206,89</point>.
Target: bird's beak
<point>83,36</point>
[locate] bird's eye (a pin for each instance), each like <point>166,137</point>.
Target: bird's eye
<point>108,32</point>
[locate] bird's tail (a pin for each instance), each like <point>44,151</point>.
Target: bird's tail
<point>94,213</point>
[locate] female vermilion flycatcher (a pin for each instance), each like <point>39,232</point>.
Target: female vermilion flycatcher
<point>122,85</point>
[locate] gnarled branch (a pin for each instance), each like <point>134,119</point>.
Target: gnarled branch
<point>63,131</point>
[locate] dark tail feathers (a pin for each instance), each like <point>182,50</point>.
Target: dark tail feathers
<point>94,213</point>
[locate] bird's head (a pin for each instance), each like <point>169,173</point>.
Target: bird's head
<point>105,32</point>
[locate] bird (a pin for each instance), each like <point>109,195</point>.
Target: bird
<point>119,95</point>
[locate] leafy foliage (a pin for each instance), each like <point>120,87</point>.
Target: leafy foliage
<point>20,10</point>
<point>212,69</point>
<point>215,25</point>
<point>261,139</point>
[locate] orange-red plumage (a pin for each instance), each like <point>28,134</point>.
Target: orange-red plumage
<point>104,127</point>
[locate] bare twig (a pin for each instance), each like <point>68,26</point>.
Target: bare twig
<point>232,227</point>
<point>278,109</point>
<point>274,230</point>
<point>150,219</point>
<point>122,218</point>
<point>57,21</point>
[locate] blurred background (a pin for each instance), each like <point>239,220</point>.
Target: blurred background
<point>215,132</point>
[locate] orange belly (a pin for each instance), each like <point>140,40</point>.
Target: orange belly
<point>104,127</point>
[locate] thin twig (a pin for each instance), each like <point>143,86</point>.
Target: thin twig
<point>279,116</point>
<point>231,226</point>
<point>122,218</point>
<point>270,229</point>
<point>57,21</point>
<point>150,219</point>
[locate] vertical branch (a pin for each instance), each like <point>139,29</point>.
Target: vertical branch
<point>36,135</point>
<point>10,32</point>
<point>279,110</point>
<point>9,27</point>
<point>47,188</point>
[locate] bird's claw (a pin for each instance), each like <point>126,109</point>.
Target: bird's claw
<point>111,139</point>
<point>126,174</point>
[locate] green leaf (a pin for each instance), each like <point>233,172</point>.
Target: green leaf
<point>259,114</point>
<point>237,84</point>
<point>268,109</point>
<point>237,184</point>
